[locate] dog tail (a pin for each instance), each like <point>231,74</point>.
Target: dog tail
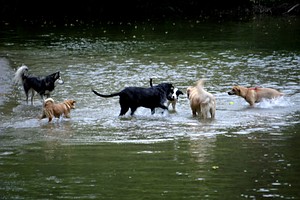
<point>106,96</point>
<point>20,73</point>
<point>200,83</point>
<point>151,85</point>
<point>49,100</point>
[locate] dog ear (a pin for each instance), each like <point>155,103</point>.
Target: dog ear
<point>237,89</point>
<point>178,92</point>
<point>55,75</point>
<point>172,86</point>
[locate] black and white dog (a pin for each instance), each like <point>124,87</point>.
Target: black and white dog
<point>42,85</point>
<point>174,97</point>
<point>134,97</point>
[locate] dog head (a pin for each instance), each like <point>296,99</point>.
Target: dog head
<point>175,94</point>
<point>167,89</point>
<point>236,90</point>
<point>56,78</point>
<point>188,91</point>
<point>170,91</point>
<point>70,103</point>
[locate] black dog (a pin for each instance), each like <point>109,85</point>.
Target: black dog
<point>42,85</point>
<point>134,97</point>
<point>174,97</point>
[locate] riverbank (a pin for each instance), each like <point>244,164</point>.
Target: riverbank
<point>89,12</point>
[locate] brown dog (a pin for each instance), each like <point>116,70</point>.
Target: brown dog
<point>201,101</point>
<point>51,109</point>
<point>254,95</point>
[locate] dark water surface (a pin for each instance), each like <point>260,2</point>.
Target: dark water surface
<point>245,153</point>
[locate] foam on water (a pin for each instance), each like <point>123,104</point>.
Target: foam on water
<point>280,102</point>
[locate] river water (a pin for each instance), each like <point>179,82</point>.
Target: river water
<point>245,153</point>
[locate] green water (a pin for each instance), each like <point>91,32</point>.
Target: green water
<point>245,153</point>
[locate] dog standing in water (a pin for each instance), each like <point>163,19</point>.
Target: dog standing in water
<point>202,102</point>
<point>42,85</point>
<point>134,97</point>
<point>56,110</point>
<point>256,94</point>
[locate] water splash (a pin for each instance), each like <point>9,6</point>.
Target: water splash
<point>280,102</point>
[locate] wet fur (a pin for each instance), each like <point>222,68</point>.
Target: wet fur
<point>202,103</point>
<point>42,85</point>
<point>256,94</point>
<point>174,97</point>
<point>56,110</point>
<point>134,97</point>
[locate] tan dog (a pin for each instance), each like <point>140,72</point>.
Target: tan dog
<point>201,101</point>
<point>254,95</point>
<point>51,109</point>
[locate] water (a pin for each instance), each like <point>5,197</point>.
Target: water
<point>245,153</point>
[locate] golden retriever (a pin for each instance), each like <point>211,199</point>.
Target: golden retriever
<point>202,102</point>
<point>255,94</point>
<point>51,109</point>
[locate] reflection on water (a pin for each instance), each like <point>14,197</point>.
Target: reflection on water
<point>244,153</point>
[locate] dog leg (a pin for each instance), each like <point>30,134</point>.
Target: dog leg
<point>202,111</point>
<point>50,118</point>
<point>212,113</point>
<point>152,111</point>
<point>168,104</point>
<point>203,114</point>
<point>43,115</point>
<point>124,110</point>
<point>194,112</point>
<point>164,108</point>
<point>251,102</point>
<point>26,93</point>
<point>27,98</point>
<point>32,95</point>
<point>173,104</point>
<point>133,109</point>
<point>43,98</point>
<point>195,109</point>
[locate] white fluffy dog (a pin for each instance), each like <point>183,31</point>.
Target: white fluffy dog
<point>202,102</point>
